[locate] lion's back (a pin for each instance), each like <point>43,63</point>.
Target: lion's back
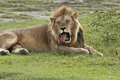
<point>34,38</point>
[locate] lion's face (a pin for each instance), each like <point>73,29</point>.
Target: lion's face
<point>64,25</point>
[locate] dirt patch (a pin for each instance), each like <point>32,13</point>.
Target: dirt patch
<point>42,9</point>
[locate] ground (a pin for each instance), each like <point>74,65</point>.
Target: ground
<point>21,10</point>
<point>55,66</point>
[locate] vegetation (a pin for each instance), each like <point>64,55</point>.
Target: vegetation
<point>2,10</point>
<point>110,4</point>
<point>102,31</point>
<point>54,66</point>
<point>33,2</point>
<point>16,16</point>
<point>28,8</point>
<point>116,8</point>
<point>6,4</point>
<point>110,21</point>
<point>84,11</point>
<point>46,14</point>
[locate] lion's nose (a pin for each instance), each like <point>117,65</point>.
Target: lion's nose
<point>63,28</point>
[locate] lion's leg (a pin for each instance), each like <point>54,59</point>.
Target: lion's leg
<point>55,48</point>
<point>7,39</point>
<point>92,50</point>
<point>18,49</point>
<point>70,50</point>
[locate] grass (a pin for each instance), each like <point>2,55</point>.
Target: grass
<point>84,11</point>
<point>50,66</point>
<point>46,14</point>
<point>110,4</point>
<point>116,8</point>
<point>6,4</point>
<point>16,16</point>
<point>2,10</point>
<point>54,66</point>
<point>28,8</point>
<point>13,25</point>
<point>32,2</point>
<point>26,5</point>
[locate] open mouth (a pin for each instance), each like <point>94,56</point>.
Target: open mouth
<point>65,37</point>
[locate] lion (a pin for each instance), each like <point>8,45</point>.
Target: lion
<point>64,33</point>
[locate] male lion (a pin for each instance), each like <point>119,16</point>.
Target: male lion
<point>64,33</point>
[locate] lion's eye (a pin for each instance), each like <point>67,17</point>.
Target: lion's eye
<point>58,22</point>
<point>67,21</point>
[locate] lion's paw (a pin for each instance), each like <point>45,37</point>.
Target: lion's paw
<point>85,51</point>
<point>4,52</point>
<point>21,51</point>
<point>100,54</point>
<point>24,51</point>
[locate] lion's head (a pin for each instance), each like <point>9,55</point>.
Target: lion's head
<point>64,25</point>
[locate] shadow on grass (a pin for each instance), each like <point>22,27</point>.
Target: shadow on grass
<point>62,54</point>
<point>48,78</point>
<point>5,75</point>
<point>20,76</point>
<point>55,54</point>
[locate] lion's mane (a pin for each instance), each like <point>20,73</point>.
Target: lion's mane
<point>77,31</point>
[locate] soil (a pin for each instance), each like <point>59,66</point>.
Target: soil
<point>48,9</point>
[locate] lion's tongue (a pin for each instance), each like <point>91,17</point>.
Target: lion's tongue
<point>63,38</point>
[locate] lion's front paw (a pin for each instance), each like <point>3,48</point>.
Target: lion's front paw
<point>84,51</point>
<point>100,54</point>
<point>20,51</point>
<point>24,51</point>
<point>4,52</point>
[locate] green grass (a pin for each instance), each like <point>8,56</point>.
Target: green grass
<point>46,14</point>
<point>110,4</point>
<point>13,25</point>
<point>83,11</point>
<point>51,66</point>
<point>2,10</point>
<point>16,16</point>
<point>26,5</point>
<point>28,8</point>
<point>32,2</point>
<point>116,8</point>
<point>6,4</point>
<point>54,66</point>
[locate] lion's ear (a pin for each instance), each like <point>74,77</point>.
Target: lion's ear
<point>51,19</point>
<point>75,15</point>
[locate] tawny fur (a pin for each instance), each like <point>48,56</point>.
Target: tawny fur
<point>61,11</point>
<point>46,38</point>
